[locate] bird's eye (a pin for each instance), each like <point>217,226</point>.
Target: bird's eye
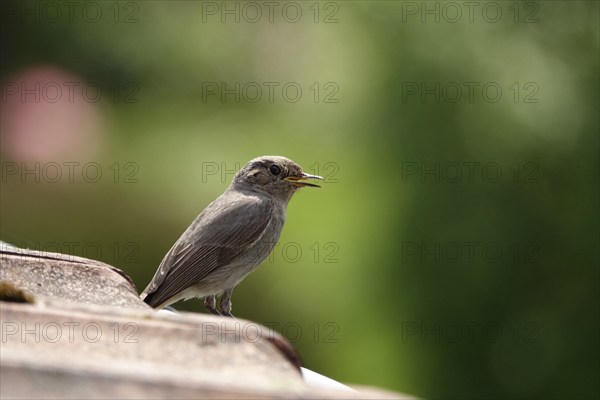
<point>274,169</point>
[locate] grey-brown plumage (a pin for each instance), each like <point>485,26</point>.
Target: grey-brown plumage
<point>230,238</point>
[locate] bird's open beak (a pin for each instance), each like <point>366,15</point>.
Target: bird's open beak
<point>297,180</point>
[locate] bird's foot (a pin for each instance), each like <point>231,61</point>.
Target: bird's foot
<point>225,303</point>
<point>211,305</point>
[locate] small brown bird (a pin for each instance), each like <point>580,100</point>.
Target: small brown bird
<point>230,238</point>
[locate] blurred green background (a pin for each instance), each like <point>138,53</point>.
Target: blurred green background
<point>452,252</point>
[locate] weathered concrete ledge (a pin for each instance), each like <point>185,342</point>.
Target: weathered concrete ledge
<point>75,328</point>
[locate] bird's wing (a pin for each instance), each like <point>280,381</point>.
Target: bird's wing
<point>217,236</point>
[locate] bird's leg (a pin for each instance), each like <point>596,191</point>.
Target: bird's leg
<point>226,303</point>
<point>211,304</point>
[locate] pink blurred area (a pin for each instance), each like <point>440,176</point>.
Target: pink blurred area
<point>49,114</point>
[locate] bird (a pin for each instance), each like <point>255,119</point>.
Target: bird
<point>230,238</point>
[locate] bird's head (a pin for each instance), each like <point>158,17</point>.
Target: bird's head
<point>275,175</point>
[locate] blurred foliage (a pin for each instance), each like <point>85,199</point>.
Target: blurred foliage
<point>390,274</point>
